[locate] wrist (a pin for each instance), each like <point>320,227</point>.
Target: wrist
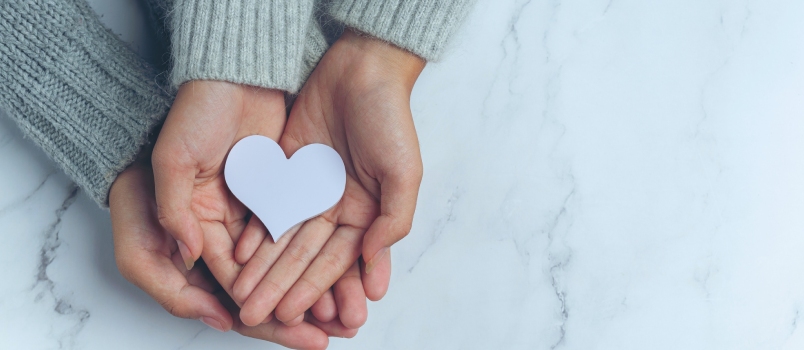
<point>228,100</point>
<point>380,59</point>
<point>122,184</point>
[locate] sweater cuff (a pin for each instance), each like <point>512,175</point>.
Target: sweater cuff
<point>422,27</point>
<point>74,88</point>
<point>252,42</point>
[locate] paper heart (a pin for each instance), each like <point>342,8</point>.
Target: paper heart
<point>284,192</point>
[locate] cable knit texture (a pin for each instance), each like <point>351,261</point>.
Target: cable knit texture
<point>76,90</point>
<point>419,26</point>
<point>253,42</point>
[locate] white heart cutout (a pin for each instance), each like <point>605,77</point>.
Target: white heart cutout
<point>284,192</point>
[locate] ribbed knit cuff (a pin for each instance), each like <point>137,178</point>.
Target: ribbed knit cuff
<point>419,26</point>
<point>253,42</point>
<point>75,89</point>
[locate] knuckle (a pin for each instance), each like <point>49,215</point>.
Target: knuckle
<point>400,228</point>
<point>165,216</point>
<point>333,264</point>
<point>174,220</point>
<point>261,261</point>
<point>170,306</point>
<point>300,254</point>
<point>310,284</point>
<point>404,229</point>
<point>411,172</point>
<point>222,260</point>
<point>274,288</point>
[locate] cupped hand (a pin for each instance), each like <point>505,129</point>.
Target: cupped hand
<point>149,258</point>
<point>357,101</point>
<point>206,120</point>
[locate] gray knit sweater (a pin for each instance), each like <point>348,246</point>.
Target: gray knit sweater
<point>91,103</point>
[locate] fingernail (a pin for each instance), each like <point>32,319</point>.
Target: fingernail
<point>212,323</point>
<point>373,262</point>
<point>185,254</point>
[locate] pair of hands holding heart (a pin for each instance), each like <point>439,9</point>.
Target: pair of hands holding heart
<point>309,284</point>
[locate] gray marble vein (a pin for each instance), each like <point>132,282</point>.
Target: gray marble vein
<point>598,175</point>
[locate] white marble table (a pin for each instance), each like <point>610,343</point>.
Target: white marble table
<point>599,174</point>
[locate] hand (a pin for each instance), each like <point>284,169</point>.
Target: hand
<point>148,257</point>
<point>357,101</point>
<point>194,204</point>
<point>206,120</point>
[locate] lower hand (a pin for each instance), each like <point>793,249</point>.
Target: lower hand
<point>148,257</point>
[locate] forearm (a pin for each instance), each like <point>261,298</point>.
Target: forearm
<point>76,90</point>
<point>371,60</point>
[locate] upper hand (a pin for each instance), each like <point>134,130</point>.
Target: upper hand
<point>357,101</point>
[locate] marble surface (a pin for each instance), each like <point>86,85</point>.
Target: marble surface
<point>599,174</point>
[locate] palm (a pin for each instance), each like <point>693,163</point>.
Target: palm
<point>362,110</point>
<point>206,120</point>
<point>141,245</point>
<point>356,104</point>
<point>222,218</point>
<point>308,123</point>
<point>211,201</point>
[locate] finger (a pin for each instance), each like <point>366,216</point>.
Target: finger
<point>195,276</point>
<point>351,299</point>
<point>302,249</point>
<point>254,234</point>
<point>157,276</point>
<point>397,203</point>
<point>296,321</point>
<point>146,258</point>
<point>303,336</point>
<point>340,252</point>
<point>333,328</point>
<point>219,255</point>
<point>376,283</point>
<point>174,180</point>
<point>325,309</point>
<point>258,265</point>
<point>234,218</point>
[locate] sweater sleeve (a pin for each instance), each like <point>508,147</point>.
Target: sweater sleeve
<point>253,42</point>
<point>76,90</point>
<point>422,27</point>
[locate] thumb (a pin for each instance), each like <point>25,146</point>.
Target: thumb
<point>195,303</point>
<point>164,282</point>
<point>398,195</point>
<point>173,182</point>
<point>375,285</point>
